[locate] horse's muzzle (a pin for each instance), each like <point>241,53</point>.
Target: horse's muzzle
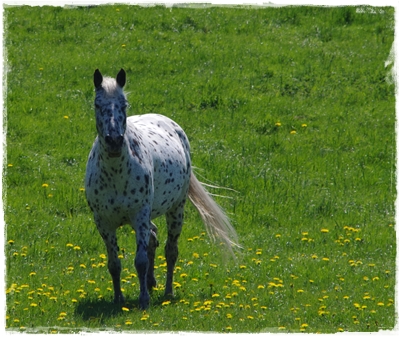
<point>114,145</point>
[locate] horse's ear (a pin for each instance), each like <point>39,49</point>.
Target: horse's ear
<point>121,78</point>
<point>97,79</point>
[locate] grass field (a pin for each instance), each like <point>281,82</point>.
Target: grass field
<point>289,107</point>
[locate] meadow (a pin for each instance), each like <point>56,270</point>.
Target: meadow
<point>291,109</point>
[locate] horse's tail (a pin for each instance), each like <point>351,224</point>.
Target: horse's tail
<point>214,218</point>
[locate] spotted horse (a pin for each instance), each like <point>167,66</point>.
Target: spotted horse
<point>139,168</point>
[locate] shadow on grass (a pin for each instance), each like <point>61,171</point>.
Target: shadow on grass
<point>100,309</point>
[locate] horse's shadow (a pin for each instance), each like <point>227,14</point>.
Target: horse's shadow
<point>100,309</point>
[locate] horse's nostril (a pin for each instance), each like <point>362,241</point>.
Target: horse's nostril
<point>108,139</point>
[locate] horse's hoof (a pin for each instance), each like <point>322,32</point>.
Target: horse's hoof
<point>144,302</point>
<point>169,294</point>
<point>119,299</point>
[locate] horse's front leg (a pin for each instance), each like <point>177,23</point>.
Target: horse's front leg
<point>141,224</point>
<point>114,264</point>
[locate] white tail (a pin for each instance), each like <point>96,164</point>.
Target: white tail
<point>214,218</point>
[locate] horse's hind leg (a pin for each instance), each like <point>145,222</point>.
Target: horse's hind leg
<point>114,264</point>
<point>174,222</point>
<point>151,253</point>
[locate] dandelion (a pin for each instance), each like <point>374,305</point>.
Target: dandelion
<point>77,248</point>
<point>10,165</point>
<point>45,185</point>
<point>381,304</point>
<point>228,315</point>
<point>165,303</point>
<point>260,286</point>
<point>35,305</point>
<point>125,309</point>
<point>293,132</point>
<point>123,45</point>
<point>278,124</point>
<point>215,295</point>
<point>324,230</point>
<point>32,273</point>
<point>278,235</point>
<point>325,259</point>
<point>303,125</point>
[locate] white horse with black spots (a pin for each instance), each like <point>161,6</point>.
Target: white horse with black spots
<point>138,169</point>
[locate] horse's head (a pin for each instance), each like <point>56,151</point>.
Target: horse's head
<point>110,104</point>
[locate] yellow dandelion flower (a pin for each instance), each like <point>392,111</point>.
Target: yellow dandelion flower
<point>228,315</point>
<point>77,248</point>
<point>325,259</point>
<point>33,304</point>
<point>324,230</point>
<point>278,124</point>
<point>166,303</point>
<point>293,132</point>
<point>304,125</point>
<point>260,286</point>
<point>215,295</point>
<point>45,185</point>
<point>32,273</point>
<point>381,304</point>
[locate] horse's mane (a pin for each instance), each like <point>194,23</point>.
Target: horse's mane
<point>110,86</point>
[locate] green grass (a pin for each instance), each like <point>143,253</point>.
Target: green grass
<point>290,107</point>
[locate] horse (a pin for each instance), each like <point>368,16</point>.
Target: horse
<point>138,169</point>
